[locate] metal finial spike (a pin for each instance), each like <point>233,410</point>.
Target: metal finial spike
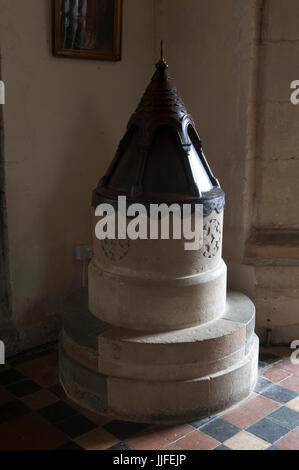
<point>162,65</point>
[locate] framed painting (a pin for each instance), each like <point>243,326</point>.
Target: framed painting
<point>87,29</point>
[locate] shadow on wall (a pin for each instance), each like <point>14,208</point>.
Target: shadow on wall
<point>8,334</point>
<point>64,221</point>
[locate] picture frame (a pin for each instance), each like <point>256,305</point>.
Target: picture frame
<point>87,29</point>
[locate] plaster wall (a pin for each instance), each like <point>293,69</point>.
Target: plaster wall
<point>63,121</point>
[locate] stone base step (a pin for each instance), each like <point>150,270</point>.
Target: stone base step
<point>175,355</point>
<point>159,401</point>
<point>159,377</point>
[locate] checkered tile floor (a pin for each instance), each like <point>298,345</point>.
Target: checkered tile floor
<point>35,413</point>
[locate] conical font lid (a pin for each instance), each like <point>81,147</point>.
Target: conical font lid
<point>160,158</point>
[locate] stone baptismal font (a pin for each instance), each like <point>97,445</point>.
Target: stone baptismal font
<point>159,338</point>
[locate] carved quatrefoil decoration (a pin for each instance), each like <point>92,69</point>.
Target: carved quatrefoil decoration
<point>211,238</point>
<point>115,250</point>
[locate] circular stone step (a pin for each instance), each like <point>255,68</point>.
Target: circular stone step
<point>161,377</point>
<point>175,355</point>
<point>159,401</point>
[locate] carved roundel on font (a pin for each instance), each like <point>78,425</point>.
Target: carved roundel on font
<point>115,250</point>
<point>211,238</point>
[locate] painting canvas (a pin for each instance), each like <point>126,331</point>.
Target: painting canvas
<point>88,29</point>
